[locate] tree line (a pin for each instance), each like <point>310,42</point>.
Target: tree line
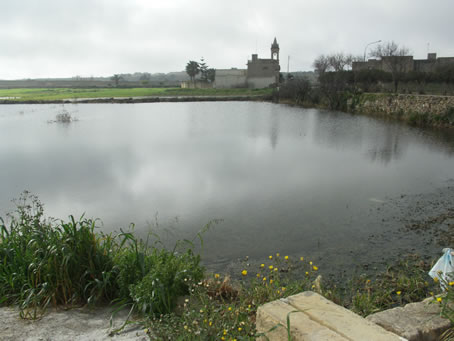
<point>193,68</point>
<point>337,82</point>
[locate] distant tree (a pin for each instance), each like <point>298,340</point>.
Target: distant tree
<point>211,75</point>
<point>203,67</point>
<point>296,89</point>
<point>393,59</point>
<point>335,78</point>
<point>116,78</point>
<point>192,69</point>
<point>145,76</point>
<point>321,64</point>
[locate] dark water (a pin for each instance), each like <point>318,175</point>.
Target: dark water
<point>289,180</point>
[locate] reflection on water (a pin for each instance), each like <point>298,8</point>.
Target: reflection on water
<point>282,178</point>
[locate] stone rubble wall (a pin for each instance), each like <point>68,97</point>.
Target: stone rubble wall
<point>397,104</point>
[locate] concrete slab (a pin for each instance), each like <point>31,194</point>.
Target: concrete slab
<point>314,318</point>
<point>274,315</point>
<point>416,321</point>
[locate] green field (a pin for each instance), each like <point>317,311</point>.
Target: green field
<point>42,94</point>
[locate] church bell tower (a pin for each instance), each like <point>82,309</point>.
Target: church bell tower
<point>275,50</point>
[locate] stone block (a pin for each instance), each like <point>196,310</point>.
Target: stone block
<point>314,318</point>
<point>343,321</point>
<point>274,315</point>
<point>416,321</point>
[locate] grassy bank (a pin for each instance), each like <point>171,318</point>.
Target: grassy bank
<point>54,94</point>
<point>47,262</point>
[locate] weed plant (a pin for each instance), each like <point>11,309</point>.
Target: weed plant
<point>219,309</point>
<point>49,261</point>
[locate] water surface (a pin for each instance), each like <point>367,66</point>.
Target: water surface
<point>283,179</point>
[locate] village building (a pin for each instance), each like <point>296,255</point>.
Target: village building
<point>406,64</point>
<point>260,73</point>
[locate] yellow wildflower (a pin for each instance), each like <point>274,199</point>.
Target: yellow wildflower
<point>277,254</point>
<point>258,275</point>
<point>270,267</point>
<point>244,272</point>
<point>262,265</point>
<point>439,299</point>
<point>310,262</point>
<point>398,292</point>
<point>451,284</point>
<point>301,258</point>
<point>286,257</point>
<point>230,308</point>
<point>222,338</point>
<point>315,268</point>
<point>240,329</point>
<point>307,273</point>
<point>275,269</point>
<point>278,291</point>
<point>271,281</point>
<point>436,279</point>
<point>216,276</point>
<point>249,306</point>
<point>264,278</point>
<point>225,332</point>
<point>283,288</point>
<point>270,257</point>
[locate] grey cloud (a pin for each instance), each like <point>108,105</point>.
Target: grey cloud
<point>65,38</point>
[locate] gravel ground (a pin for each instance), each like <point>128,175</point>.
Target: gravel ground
<point>75,324</point>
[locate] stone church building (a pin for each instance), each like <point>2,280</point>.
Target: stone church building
<point>260,73</point>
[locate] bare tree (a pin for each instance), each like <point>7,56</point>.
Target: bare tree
<point>321,64</point>
<point>395,59</point>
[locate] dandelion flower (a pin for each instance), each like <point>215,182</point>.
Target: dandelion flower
<point>278,292</point>
<point>286,257</point>
<point>264,279</point>
<point>307,273</point>
<point>436,279</point>
<point>270,257</point>
<point>275,269</point>
<point>258,275</point>
<point>262,265</point>
<point>310,262</point>
<point>439,299</point>
<point>283,288</point>
<point>222,338</point>
<point>210,323</point>
<point>271,281</point>
<point>249,306</point>
<point>315,268</point>
<point>244,272</point>
<point>225,332</point>
<point>216,276</point>
<point>277,254</point>
<point>301,258</point>
<point>270,267</point>
<point>398,292</point>
<point>240,329</point>
<point>451,284</point>
<point>230,308</point>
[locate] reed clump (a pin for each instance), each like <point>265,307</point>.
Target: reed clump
<point>54,262</point>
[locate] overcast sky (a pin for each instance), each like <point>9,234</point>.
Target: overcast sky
<point>63,38</point>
